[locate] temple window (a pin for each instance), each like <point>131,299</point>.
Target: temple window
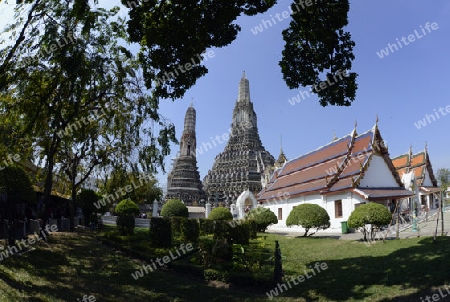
<point>338,208</point>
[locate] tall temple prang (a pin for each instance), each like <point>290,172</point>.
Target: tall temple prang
<point>183,181</point>
<point>241,165</point>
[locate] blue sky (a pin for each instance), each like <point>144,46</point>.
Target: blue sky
<point>402,88</point>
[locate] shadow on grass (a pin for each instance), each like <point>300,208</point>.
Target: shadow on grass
<point>408,273</point>
<point>319,236</point>
<point>72,266</point>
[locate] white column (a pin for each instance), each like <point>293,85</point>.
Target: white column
<point>208,209</point>
<point>155,208</point>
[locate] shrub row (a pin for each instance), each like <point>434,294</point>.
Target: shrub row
<point>162,230</point>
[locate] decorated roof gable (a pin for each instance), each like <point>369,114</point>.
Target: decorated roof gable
<point>339,165</point>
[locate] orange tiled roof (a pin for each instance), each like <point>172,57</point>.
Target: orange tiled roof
<point>418,159</point>
<point>419,165</point>
<point>337,166</point>
<point>401,161</point>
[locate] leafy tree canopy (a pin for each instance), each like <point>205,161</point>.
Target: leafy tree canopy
<point>16,185</point>
<point>374,214</point>
<point>76,94</point>
<point>174,33</point>
<point>86,200</point>
<point>318,49</point>
<point>144,186</point>
<point>443,176</point>
<point>309,216</point>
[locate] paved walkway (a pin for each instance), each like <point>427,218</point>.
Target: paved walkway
<point>425,228</point>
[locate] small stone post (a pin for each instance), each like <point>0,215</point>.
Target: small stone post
<point>278,270</point>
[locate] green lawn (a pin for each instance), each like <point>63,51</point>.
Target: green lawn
<point>78,264</point>
<point>404,269</point>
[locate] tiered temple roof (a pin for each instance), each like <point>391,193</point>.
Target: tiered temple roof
<point>420,164</point>
<point>183,182</point>
<point>241,165</point>
<point>336,167</point>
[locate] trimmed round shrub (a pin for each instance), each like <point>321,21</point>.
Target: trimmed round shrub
<point>309,216</point>
<point>263,218</point>
<point>127,207</point>
<point>126,210</point>
<point>174,207</point>
<point>373,214</point>
<point>220,213</point>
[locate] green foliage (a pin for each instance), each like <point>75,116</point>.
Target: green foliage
<point>373,214</point>
<point>309,216</point>
<point>160,232</point>
<point>213,274</point>
<point>176,221</point>
<point>145,186</point>
<point>16,185</point>
<point>253,227</point>
<point>126,207</point>
<point>126,211</point>
<point>443,177</point>
<point>220,213</point>
<point>174,207</point>
<point>125,225</point>
<point>165,44</point>
<point>240,234</point>
<point>217,251</point>
<point>316,44</point>
<point>190,230</point>
<point>207,226</point>
<point>86,200</point>
<point>222,229</point>
<point>263,217</point>
<point>78,105</point>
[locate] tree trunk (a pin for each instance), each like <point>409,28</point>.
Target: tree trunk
<point>72,204</point>
<point>48,185</point>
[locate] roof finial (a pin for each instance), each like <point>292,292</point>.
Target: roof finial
<point>243,74</point>
<point>334,136</point>
<point>281,143</point>
<point>356,124</point>
<point>376,120</point>
<point>426,146</point>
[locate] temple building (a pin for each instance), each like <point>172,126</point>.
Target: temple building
<point>416,170</point>
<point>183,181</point>
<point>339,177</point>
<point>241,165</point>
